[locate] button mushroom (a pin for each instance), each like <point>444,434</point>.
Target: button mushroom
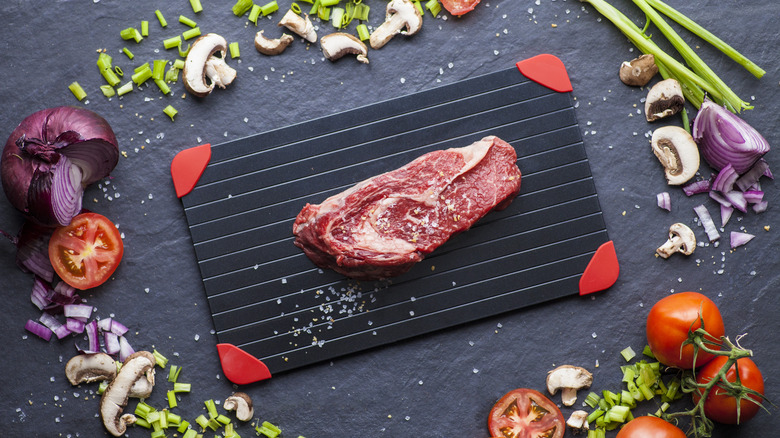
<point>664,99</point>
<point>677,152</point>
<point>578,421</point>
<point>300,25</point>
<point>639,71</point>
<point>139,365</point>
<point>242,404</point>
<point>568,379</point>
<point>272,46</point>
<point>401,14</point>
<point>206,60</point>
<point>338,44</point>
<point>88,368</point>
<point>681,239</point>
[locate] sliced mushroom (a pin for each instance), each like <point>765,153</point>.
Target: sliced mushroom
<point>139,365</point>
<point>664,99</point>
<point>639,71</point>
<point>272,46</point>
<point>677,152</point>
<point>338,44</point>
<point>578,421</point>
<point>300,25</point>
<point>242,404</point>
<point>206,60</point>
<point>568,379</point>
<point>88,368</point>
<point>681,239</point>
<point>401,14</point>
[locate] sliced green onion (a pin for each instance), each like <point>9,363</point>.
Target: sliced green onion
<point>296,8</point>
<point>171,395</point>
<point>184,52</point>
<point>202,421</point>
<point>618,413</point>
<point>595,415</point>
<point>235,52</point>
<point>160,360</point>
<point>170,112</point>
<point>173,373</point>
<point>131,33</point>
<point>337,17</point>
<point>329,3</point>
<point>211,408</point>
<point>163,86</point>
<point>158,69</point>
<point>324,13</point>
<point>104,384</point>
<point>142,409</point>
<point>187,21</point>
<point>107,91</point>
<point>268,429</point>
<point>190,433</point>
<point>160,17</point>
<point>419,7</point>
<point>315,7</point>
<point>183,426</point>
<point>254,14</point>
<point>361,12</point>
<point>142,76</point>
<point>141,67</point>
<point>144,28</point>
<point>143,423</point>
<point>178,64</point>
<point>269,8</point>
<point>172,75</point>
<point>104,65</point>
<point>182,387</point>
<point>77,91</point>
<point>173,419</point>
<point>241,7</point>
<point>118,70</point>
<point>592,399</point>
<point>433,6</point>
<point>128,53</point>
<point>628,353</point>
<point>192,33</point>
<point>124,89</point>
<point>362,31</point>
<point>224,419</point>
<point>196,6</point>
<point>172,42</point>
<point>163,421</point>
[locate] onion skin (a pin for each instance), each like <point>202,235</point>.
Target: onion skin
<point>39,143</point>
<point>724,138</point>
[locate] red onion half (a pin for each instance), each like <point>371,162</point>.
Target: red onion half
<point>49,159</point>
<point>724,138</point>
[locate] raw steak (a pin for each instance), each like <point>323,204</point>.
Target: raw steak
<point>382,226</point>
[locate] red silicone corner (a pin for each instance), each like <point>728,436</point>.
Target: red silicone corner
<point>602,270</point>
<point>241,367</point>
<point>547,70</point>
<point>188,166</point>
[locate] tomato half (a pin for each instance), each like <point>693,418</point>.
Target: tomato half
<point>526,413</point>
<point>668,324</point>
<point>650,427</point>
<point>85,253</point>
<point>459,7</point>
<point>722,407</point>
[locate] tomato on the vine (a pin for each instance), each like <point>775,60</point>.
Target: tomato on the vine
<point>459,7</point>
<point>669,322</point>
<point>722,407</point>
<point>85,253</point>
<point>526,413</point>
<point>650,427</point>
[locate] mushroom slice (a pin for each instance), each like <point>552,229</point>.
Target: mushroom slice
<point>300,25</point>
<point>401,14</point>
<point>139,365</point>
<point>338,44</point>
<point>677,152</point>
<point>664,99</point>
<point>242,404</point>
<point>88,368</point>
<point>206,59</point>
<point>578,421</point>
<point>568,379</point>
<point>681,239</point>
<point>639,71</point>
<point>272,46</point>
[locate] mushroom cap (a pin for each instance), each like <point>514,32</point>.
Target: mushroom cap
<point>201,51</point>
<point>639,71</point>
<point>681,239</point>
<point>87,368</point>
<point>678,153</point>
<point>568,379</point>
<point>242,404</point>
<point>338,44</point>
<point>664,99</point>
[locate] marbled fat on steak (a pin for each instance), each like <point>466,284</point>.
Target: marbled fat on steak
<point>382,226</point>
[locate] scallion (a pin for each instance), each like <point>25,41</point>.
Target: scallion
<point>315,8</point>
<point>173,419</point>
<point>158,69</point>
<point>172,42</point>
<point>171,112</point>
<point>183,426</point>
<point>241,7</point>
<point>179,63</point>
<point>268,429</point>
<point>235,52</point>
<point>108,90</point>
<point>163,86</point>
<point>131,33</point>
<point>337,17</point>
<point>196,6</point>
<point>144,28</point>
<point>192,33</point>
<point>211,408</point>
<point>186,21</point>
<point>160,18</point>
<point>329,3</point>
<point>269,8</point>
<point>159,359</point>
<point>362,31</point>
<point>324,13</point>
<point>296,8</point>
<point>190,433</point>
<point>172,399</point>
<point>254,14</point>
<point>224,419</point>
<point>184,51</point>
<point>202,421</point>
<point>77,91</point>
<point>182,387</point>
<point>628,353</point>
<point>433,6</point>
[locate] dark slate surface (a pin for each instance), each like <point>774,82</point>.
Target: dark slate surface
<point>442,384</point>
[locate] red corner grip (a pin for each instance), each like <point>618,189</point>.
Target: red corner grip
<point>602,270</point>
<point>188,166</point>
<point>241,367</point>
<point>546,70</point>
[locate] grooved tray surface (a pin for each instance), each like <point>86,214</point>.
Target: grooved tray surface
<point>267,298</point>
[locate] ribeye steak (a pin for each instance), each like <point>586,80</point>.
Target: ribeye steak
<point>382,226</point>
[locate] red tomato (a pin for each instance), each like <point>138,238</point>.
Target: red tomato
<point>86,252</point>
<point>668,324</point>
<point>526,413</point>
<point>459,7</point>
<point>650,427</point>
<point>721,407</point>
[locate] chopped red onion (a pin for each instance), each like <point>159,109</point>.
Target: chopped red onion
<point>125,349</point>
<point>707,223</point>
<point>664,201</point>
<point>111,342</point>
<point>739,239</point>
<point>753,196</point>
<point>104,324</point>
<point>717,196</point>
<point>725,214</point>
<point>696,187</point>
<point>118,328</point>
<point>737,200</point>
<point>724,181</point>
<point>78,311</point>
<point>38,329</point>
<point>760,207</point>
<point>75,325</point>
<point>59,329</point>
<point>92,338</point>
<point>750,178</point>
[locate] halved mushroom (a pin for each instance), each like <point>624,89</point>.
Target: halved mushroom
<point>578,421</point>
<point>568,379</point>
<point>206,60</point>
<point>338,44</point>
<point>139,365</point>
<point>401,14</point>
<point>272,46</point>
<point>639,71</point>
<point>677,152</point>
<point>242,404</point>
<point>300,25</point>
<point>664,99</point>
<point>681,239</point>
<point>88,368</point>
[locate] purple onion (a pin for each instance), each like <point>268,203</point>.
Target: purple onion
<point>724,138</point>
<point>38,329</point>
<point>739,239</point>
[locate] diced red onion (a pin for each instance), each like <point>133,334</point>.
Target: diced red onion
<point>717,196</point>
<point>118,328</point>
<point>38,329</point>
<point>753,196</point>
<point>737,200</point>
<point>760,207</point>
<point>739,239</point>
<point>725,214</point>
<point>111,342</point>
<point>664,201</point>
<point>78,311</point>
<point>125,349</point>
<point>104,324</point>
<point>696,187</point>
<point>75,325</point>
<point>40,295</point>
<point>751,177</point>
<point>724,181</point>
<point>707,223</point>
<point>93,340</point>
<point>59,329</point>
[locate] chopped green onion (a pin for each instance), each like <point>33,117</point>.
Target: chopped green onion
<point>269,8</point>
<point>170,112</point>
<point>172,75</point>
<point>77,91</point>
<point>184,52</point>
<point>361,12</point>
<point>104,384</point>
<point>104,65</point>
<point>211,407</point>
<point>128,53</point>
<point>144,28</point>
<point>131,33</point>
<point>202,421</point>
<point>224,419</point>
<point>124,89</point>
<point>296,8</point>
<point>234,50</point>
<point>143,423</point>
<point>139,78</point>
<point>434,6</point>
<point>324,13</point>
<point>362,31</point>
<point>159,358</point>
<point>171,395</point>
<point>172,42</point>
<point>268,429</point>
<point>618,413</point>
<point>119,72</point>
<point>187,21</point>
<point>592,399</point>
<point>163,421</point>
<point>158,69</point>
<point>196,6</point>
<point>419,7</point>
<point>329,3</point>
<point>173,373</point>
<point>163,86</point>
<point>173,419</point>
<point>178,64</point>
<point>160,17</point>
<point>628,353</point>
<point>254,14</point>
<point>190,434</point>
<point>241,7</point>
<point>108,91</point>
<point>141,67</point>
<point>182,387</point>
<point>213,424</point>
<point>315,7</point>
<point>337,17</point>
<point>595,415</point>
<point>192,33</point>
<point>183,426</point>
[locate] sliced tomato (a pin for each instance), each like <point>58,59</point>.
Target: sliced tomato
<point>459,7</point>
<point>528,414</point>
<point>85,253</point>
